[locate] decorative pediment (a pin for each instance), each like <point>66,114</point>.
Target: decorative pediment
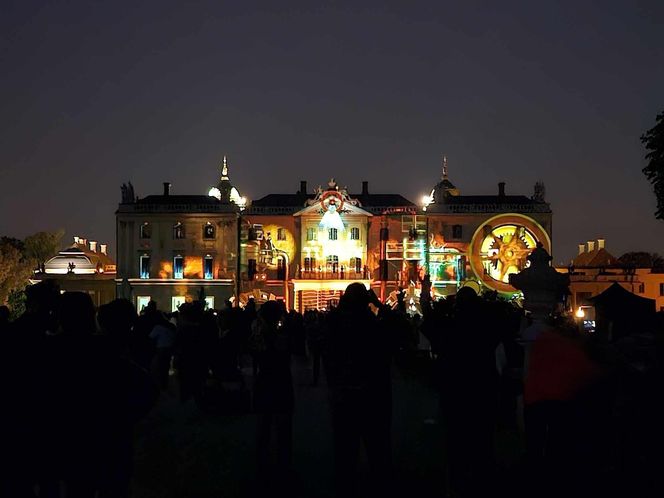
<point>333,200</point>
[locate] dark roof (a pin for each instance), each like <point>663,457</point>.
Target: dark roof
<point>282,200</point>
<point>382,200</point>
<point>178,199</point>
<point>489,199</point>
<point>299,200</point>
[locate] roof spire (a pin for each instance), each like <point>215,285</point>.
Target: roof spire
<point>444,167</point>
<point>224,169</point>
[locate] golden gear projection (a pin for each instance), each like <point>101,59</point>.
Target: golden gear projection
<point>500,247</point>
<point>507,251</point>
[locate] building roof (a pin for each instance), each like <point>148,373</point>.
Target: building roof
<point>178,199</point>
<point>597,258</point>
<point>373,203</point>
<point>490,199</point>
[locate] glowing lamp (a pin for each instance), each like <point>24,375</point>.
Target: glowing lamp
<point>580,313</point>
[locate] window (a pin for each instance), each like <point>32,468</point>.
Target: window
<point>309,264</point>
<point>144,266</point>
<point>661,289</point>
<point>207,267</point>
<point>642,288</point>
<point>457,231</point>
<point>209,302</point>
<point>281,268</point>
<point>354,233</point>
<point>281,234</point>
<point>332,262</point>
<point>142,302</point>
<point>145,231</point>
<point>356,264</point>
<point>208,231</point>
<point>178,231</point>
<point>251,269</point>
<point>312,234</point>
<point>178,267</point>
<point>332,234</point>
<point>176,301</point>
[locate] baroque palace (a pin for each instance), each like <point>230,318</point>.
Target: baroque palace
<point>304,248</point>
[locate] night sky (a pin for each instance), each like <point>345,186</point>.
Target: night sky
<point>96,93</point>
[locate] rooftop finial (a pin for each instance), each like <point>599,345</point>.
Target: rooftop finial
<point>444,167</point>
<point>224,169</point>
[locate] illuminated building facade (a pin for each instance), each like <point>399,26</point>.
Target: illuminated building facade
<point>480,240</point>
<point>177,248</point>
<point>85,266</point>
<point>594,270</point>
<point>305,248</point>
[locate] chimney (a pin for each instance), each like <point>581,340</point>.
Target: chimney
<point>303,187</point>
<point>582,248</point>
<point>167,188</point>
<point>591,245</point>
<point>93,245</point>
<point>501,189</point>
<point>102,248</point>
<point>365,188</point>
<point>600,243</point>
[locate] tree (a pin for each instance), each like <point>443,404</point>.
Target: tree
<point>15,269</point>
<point>653,140</point>
<point>42,246</point>
<point>641,260</point>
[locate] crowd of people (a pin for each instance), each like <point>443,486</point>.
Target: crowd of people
<point>77,381</point>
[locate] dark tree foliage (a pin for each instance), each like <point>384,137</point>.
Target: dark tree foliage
<point>653,140</point>
<point>641,260</point>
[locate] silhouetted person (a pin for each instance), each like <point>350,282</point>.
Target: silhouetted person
<point>163,335</point>
<point>357,358</point>
<point>128,393</point>
<point>142,348</point>
<point>469,387</point>
<point>21,377</point>
<point>273,390</point>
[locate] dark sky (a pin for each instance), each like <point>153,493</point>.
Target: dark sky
<point>95,93</point>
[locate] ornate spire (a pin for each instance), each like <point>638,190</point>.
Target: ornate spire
<point>444,167</point>
<point>224,169</point>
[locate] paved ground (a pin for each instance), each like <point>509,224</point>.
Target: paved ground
<point>185,453</point>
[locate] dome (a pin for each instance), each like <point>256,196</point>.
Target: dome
<point>225,192</point>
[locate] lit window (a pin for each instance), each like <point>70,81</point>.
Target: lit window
<point>312,234</point>
<point>142,302</point>
<point>208,231</point>
<point>281,268</point>
<point>332,263</point>
<point>281,234</point>
<point>178,267</point>
<point>144,266</point>
<point>207,267</point>
<point>176,301</point>
<point>332,234</point>
<point>178,231</point>
<point>309,264</point>
<point>209,302</point>
<point>354,233</point>
<point>145,231</point>
<point>457,231</point>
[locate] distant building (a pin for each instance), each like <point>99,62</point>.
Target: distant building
<point>177,248</point>
<point>594,270</point>
<point>482,238</point>
<point>84,266</point>
<point>306,247</point>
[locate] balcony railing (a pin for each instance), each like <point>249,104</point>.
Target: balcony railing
<point>324,274</point>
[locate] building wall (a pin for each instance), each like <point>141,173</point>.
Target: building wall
<point>162,247</point>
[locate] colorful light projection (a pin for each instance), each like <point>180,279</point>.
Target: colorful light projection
<point>500,247</point>
<point>273,241</point>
